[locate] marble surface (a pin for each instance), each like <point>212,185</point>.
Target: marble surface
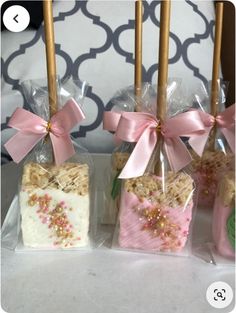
<point>105,280</point>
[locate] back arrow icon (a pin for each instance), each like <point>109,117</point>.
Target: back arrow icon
<point>15,18</point>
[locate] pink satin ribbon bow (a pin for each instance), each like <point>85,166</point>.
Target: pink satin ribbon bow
<point>225,121</point>
<point>143,127</point>
<point>32,128</point>
<point>110,122</point>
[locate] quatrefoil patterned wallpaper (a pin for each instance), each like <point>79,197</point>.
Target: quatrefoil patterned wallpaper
<point>95,42</point>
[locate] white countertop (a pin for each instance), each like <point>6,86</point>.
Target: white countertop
<point>105,280</point>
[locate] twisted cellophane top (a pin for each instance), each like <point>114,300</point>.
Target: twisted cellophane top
<point>68,177</point>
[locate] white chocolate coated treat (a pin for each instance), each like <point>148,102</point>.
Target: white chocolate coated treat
<point>53,218</point>
<point>54,203</point>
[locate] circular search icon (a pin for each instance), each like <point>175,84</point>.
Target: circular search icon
<point>219,295</point>
<point>16,18</point>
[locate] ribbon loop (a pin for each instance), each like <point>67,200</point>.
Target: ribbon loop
<point>132,125</point>
<point>32,128</point>
<point>111,120</point>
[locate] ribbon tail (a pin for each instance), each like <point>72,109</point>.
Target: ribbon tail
<point>139,158</point>
<point>21,144</point>
<point>177,153</point>
<point>230,137</point>
<point>198,141</point>
<point>63,148</point>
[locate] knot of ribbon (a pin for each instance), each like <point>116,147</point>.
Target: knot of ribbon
<point>143,128</point>
<point>224,121</point>
<point>32,128</point>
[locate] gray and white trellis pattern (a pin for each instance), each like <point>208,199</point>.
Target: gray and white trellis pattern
<point>94,42</point>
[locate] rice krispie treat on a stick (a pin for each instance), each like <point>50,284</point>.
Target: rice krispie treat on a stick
<point>54,202</point>
<point>156,217</point>
<point>119,160</point>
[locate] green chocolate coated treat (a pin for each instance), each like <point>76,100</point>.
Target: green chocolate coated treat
<point>116,186</point>
<point>231,228</point>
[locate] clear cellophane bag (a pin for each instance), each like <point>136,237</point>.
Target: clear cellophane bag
<point>55,208</point>
<point>156,210</point>
<point>217,157</point>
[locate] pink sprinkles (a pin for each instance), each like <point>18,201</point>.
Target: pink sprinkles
<point>56,218</point>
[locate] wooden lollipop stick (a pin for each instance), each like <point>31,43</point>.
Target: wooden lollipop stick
<point>138,48</point>
<point>162,73</point>
<point>216,57</point>
<point>50,55</point>
<point>216,66</point>
<point>163,58</point>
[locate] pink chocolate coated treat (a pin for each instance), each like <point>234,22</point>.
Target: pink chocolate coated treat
<point>206,189</point>
<point>156,225</point>
<point>207,171</point>
<point>132,227</point>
